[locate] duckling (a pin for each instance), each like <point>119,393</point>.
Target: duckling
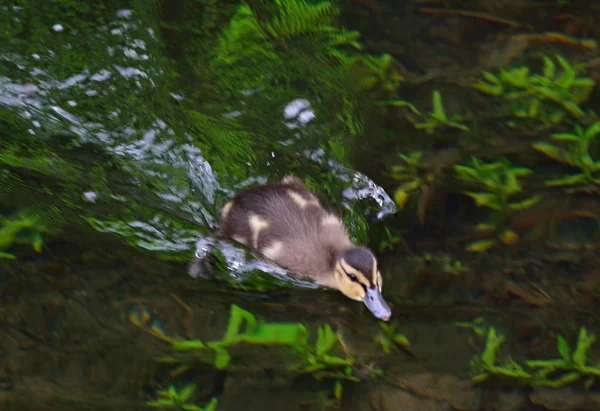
<point>285,223</point>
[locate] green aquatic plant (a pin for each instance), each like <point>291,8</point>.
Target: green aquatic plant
<point>286,27</point>
<point>390,339</point>
<point>171,398</point>
<point>388,241</point>
<point>499,182</point>
<point>574,151</point>
<point>377,73</point>
<point>320,357</point>
<point>479,326</point>
<point>571,367</point>
<point>244,328</point>
<point>41,161</point>
<point>438,118</point>
<point>410,175</point>
<point>10,234</point>
<point>546,96</point>
<point>380,78</point>
<point>26,227</point>
<point>319,360</point>
<point>485,364</point>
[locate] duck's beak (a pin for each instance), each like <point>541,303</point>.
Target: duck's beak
<point>376,304</point>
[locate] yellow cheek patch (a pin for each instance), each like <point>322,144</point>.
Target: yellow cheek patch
<point>355,292</point>
<point>349,288</point>
<point>256,224</point>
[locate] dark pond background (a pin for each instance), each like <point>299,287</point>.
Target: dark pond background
<point>126,125</point>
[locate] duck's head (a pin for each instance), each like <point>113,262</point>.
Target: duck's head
<point>357,276</point>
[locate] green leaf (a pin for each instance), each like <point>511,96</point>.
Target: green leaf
<point>490,89</point>
<point>583,82</point>
<point>584,342</point>
<point>520,77</point>
<point>438,107</point>
<point>212,405</point>
<point>222,358</point>
<point>565,137</point>
<point>186,345</point>
<point>550,364</point>
<point>326,340</point>
<point>172,391</point>
<point>335,360</point>
<point>7,256</point>
<point>237,316</point>
<point>186,392</point>
<point>480,378</point>
<point>520,171</point>
<point>564,64</point>
<point>428,125</point>
<point>485,227</point>
<point>550,150</point>
<point>549,68</point>
<point>493,342</point>
<point>284,334</point>
<point>572,108</point>
<point>466,171</point>
<point>485,200</point>
<point>338,389</point>
<point>534,108</point>
<point>491,77</point>
<point>458,125</point>
<point>402,103</point>
<point>401,340</point>
<point>563,348</point>
<point>592,131</point>
<point>400,198</point>
<point>481,245</point>
<point>573,179</point>
<point>521,205</point>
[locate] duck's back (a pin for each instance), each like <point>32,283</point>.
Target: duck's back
<point>286,223</point>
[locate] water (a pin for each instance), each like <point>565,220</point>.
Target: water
<point>125,126</point>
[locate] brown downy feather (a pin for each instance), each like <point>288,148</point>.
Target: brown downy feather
<point>310,238</point>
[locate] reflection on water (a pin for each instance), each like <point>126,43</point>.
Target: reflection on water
<point>118,97</point>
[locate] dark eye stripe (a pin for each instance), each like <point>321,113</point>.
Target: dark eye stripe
<point>351,276</point>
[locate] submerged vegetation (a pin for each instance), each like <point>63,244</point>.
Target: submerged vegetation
<point>319,360</point>
<point>570,368</point>
<point>575,152</point>
<point>548,96</point>
<point>499,182</point>
<point>438,118</point>
<point>172,399</point>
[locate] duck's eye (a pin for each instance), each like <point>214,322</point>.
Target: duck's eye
<point>353,277</point>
